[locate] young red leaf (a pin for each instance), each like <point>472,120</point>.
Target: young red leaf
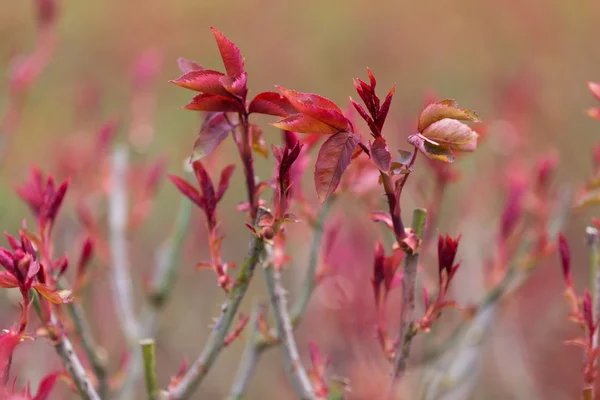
<point>385,108</point>
<point>8,341</point>
<point>333,158</point>
<point>382,216</point>
<point>565,258</point>
<point>202,80</point>
<point>186,65</point>
<point>8,280</point>
<point>46,386</point>
<point>206,185</point>
<point>230,53</point>
<point>317,107</point>
<point>444,109</point>
<point>304,124</point>
<point>236,86</point>
<point>271,103</point>
<point>54,296</point>
<point>595,89</point>
<point>56,202</point>
<point>215,103</point>
<point>187,190</point>
<point>214,130</point>
<point>380,154</point>
<point>224,181</point>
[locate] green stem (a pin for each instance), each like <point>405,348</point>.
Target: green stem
<point>407,328</point>
<point>149,357</point>
<point>196,373</point>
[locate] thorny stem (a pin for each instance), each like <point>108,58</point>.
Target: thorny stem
<point>249,360</point>
<point>245,149</point>
<point>149,357</point>
<point>84,332</point>
<point>592,236</point>
<point>121,277</point>
<point>67,353</point>
<point>258,343</point>
<point>296,373</point>
<point>407,325</point>
<point>196,373</point>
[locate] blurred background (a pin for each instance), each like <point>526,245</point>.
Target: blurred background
<point>521,64</point>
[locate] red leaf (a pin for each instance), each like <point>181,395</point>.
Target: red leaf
<point>334,157</point>
<point>187,190</point>
<point>380,154</point>
<point>186,65</point>
<point>8,341</point>
<point>230,53</point>
<point>203,80</point>
<point>54,296</point>
<point>382,216</point>
<point>214,130</point>
<point>7,280</point>
<point>271,103</point>
<point>317,107</point>
<point>385,108</point>
<point>224,181</point>
<point>56,202</point>
<point>236,86</point>
<point>206,185</point>
<point>304,124</point>
<point>595,89</point>
<point>215,103</point>
<point>46,386</point>
<point>565,257</point>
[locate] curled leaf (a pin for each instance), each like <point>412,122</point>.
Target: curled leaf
<point>304,124</point>
<point>380,154</point>
<point>202,80</point>
<point>333,158</point>
<point>452,133</point>
<point>431,149</point>
<point>444,109</point>
<point>54,296</point>
<point>214,103</point>
<point>214,130</point>
<point>271,103</point>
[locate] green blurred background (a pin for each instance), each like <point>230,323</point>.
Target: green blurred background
<point>518,62</point>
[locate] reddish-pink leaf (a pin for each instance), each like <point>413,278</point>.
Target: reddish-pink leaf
<point>214,130</point>
<point>54,296</point>
<point>385,108</point>
<point>203,80</point>
<point>187,190</point>
<point>304,124</point>
<point>7,280</point>
<point>46,386</point>
<point>215,103</point>
<point>444,109</point>
<point>230,53</point>
<point>186,65</point>
<point>206,185</point>
<point>334,157</point>
<point>236,86</point>
<point>565,257</point>
<point>382,216</point>
<point>271,103</point>
<point>224,181</point>
<point>380,154</point>
<point>56,202</point>
<point>8,341</point>
<point>317,107</point>
<point>595,89</point>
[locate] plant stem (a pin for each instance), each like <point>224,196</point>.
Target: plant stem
<point>296,373</point>
<point>257,343</point>
<point>249,360</point>
<point>394,206</point>
<point>593,239</point>
<point>407,328</point>
<point>245,149</point>
<point>84,332</point>
<point>149,356</point>
<point>121,277</point>
<point>66,351</point>
<point>196,373</point>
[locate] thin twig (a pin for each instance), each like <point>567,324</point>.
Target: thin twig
<point>407,329</point>
<point>84,332</point>
<point>249,360</point>
<point>196,373</point>
<point>257,343</point>
<point>149,356</point>
<point>296,373</point>
<point>121,277</point>
<point>67,353</point>
<point>594,254</point>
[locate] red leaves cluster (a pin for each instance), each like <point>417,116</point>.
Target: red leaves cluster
<point>582,314</point>
<point>385,273</point>
<point>44,389</point>
<point>447,249</point>
<point>43,197</point>
<point>207,199</point>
